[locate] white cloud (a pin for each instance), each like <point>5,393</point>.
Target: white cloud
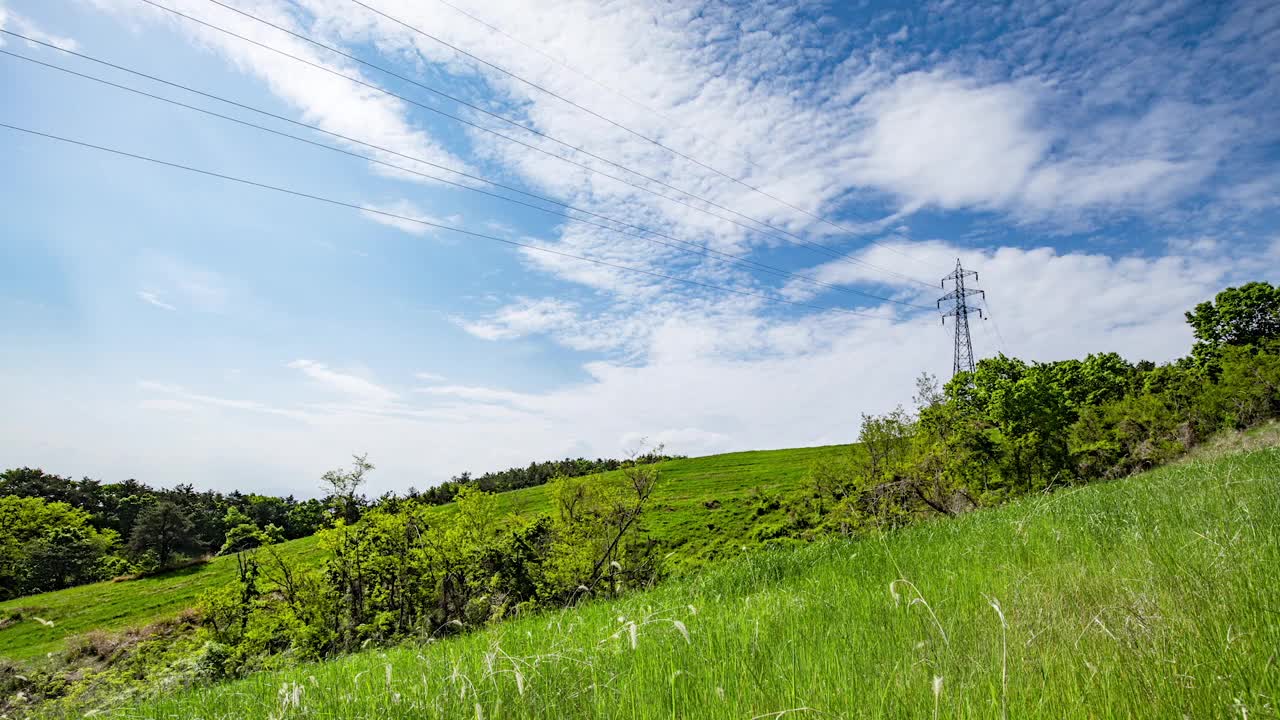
<point>351,385</point>
<point>430,377</point>
<point>12,21</point>
<point>322,98</point>
<point>713,384</point>
<point>939,140</point>
<point>1261,193</point>
<point>524,317</point>
<point>932,139</point>
<point>178,397</point>
<point>153,299</point>
<point>676,437</point>
<point>479,394</point>
<point>170,279</point>
<point>407,212</point>
<point>1197,245</point>
<point>886,119</point>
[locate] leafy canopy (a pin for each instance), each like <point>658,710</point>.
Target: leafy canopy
<point>1247,315</point>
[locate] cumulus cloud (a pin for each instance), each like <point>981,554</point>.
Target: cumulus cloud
<point>933,139</point>
<point>946,141</point>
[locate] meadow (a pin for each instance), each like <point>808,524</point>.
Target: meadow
<point>702,511</point>
<point>1152,596</point>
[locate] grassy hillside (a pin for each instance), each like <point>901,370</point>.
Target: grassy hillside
<point>117,605</point>
<point>703,509</point>
<point>1149,597</point>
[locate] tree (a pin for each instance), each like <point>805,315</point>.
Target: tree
<point>67,555</point>
<point>595,519</point>
<point>1099,378</point>
<point>242,532</point>
<point>163,529</point>
<point>264,510</point>
<point>34,482</point>
<point>1247,315</point>
<point>304,518</point>
<point>345,499</point>
<point>48,545</point>
<point>885,439</point>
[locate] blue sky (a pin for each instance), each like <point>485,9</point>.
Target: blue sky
<point>1104,166</point>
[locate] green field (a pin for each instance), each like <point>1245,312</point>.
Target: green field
<point>679,516</point>
<point>1148,597</point>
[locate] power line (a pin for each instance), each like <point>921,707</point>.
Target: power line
<point>614,123</point>
<point>539,133</point>
<point>688,247</point>
<point>796,238</point>
<point>994,322</point>
<point>591,78</point>
<point>426,223</point>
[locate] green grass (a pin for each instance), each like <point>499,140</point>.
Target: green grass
<point>1150,597</point>
<point>678,516</point>
<point>119,605</point>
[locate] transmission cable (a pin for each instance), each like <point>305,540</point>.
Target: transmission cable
<point>526,128</point>
<point>428,223</point>
<point>994,323</point>
<point>594,80</point>
<point>392,73</point>
<point>612,122</point>
<point>681,245</point>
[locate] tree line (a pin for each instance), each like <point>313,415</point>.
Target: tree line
<point>537,473</point>
<point>56,532</point>
<point>1013,427</point>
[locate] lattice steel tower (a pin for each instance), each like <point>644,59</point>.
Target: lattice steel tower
<point>959,299</point>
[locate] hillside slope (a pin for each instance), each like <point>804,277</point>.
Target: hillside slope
<point>702,510</point>
<point>1148,597</point>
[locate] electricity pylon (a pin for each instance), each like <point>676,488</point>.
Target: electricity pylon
<point>959,299</point>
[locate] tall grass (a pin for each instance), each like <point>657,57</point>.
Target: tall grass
<point>1151,597</point>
